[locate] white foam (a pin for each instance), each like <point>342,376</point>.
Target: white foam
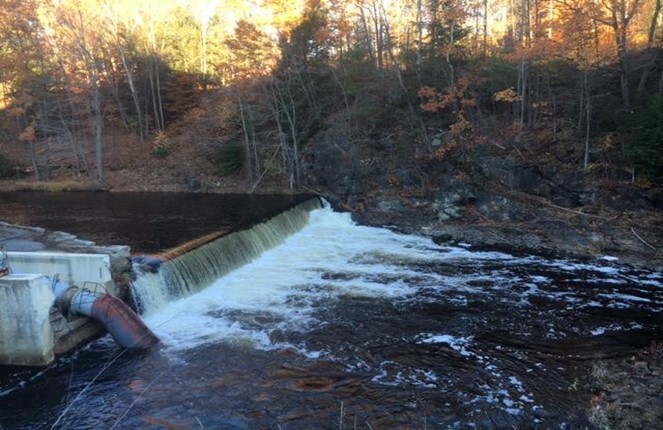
<point>333,257</point>
<point>282,286</point>
<point>458,344</point>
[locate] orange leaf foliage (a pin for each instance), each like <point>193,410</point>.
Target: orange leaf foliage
<point>28,134</point>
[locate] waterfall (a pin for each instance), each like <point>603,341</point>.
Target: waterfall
<point>193,271</point>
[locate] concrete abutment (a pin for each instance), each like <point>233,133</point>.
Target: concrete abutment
<point>33,331</point>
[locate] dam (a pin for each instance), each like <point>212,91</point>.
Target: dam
<point>56,301</point>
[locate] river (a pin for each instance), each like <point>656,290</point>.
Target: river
<point>344,326</point>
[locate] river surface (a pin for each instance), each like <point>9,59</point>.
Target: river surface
<point>350,327</point>
<point>148,222</point>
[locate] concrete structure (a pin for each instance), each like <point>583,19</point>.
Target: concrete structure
<point>45,316</point>
<point>26,333</point>
<point>32,252</point>
<point>30,342</point>
<point>92,271</point>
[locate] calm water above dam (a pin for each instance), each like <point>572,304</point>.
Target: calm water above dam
<point>342,326</point>
<point>148,222</point>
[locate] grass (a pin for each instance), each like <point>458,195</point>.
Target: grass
<point>600,374</point>
<point>599,418</point>
<point>49,186</point>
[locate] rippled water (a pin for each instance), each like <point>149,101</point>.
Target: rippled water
<point>345,326</point>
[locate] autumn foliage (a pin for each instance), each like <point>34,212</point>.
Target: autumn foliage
<point>250,85</point>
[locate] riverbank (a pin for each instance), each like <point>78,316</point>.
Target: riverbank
<point>549,230</point>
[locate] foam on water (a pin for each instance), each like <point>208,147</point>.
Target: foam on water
<point>330,257</point>
<point>333,257</point>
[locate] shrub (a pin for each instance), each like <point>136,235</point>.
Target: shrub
<point>6,168</point>
<point>645,149</point>
<point>229,159</point>
<point>161,145</point>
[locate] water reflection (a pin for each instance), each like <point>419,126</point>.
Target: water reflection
<point>148,222</point>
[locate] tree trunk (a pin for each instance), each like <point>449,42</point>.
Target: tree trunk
<point>162,121</point>
<point>623,69</point>
<point>203,54</point>
<point>485,29</point>
<point>132,89</point>
<point>522,91</point>
<point>620,18</point>
<point>248,165</point>
<point>649,67</point>
<point>551,18</point>
<point>367,33</point>
<point>154,90</point>
<point>285,103</point>
<point>379,42</point>
<point>86,55</point>
<point>389,47</point>
<point>452,78</point>
<point>33,157</point>
<point>420,36</point>
<point>651,35</point>
<point>588,110</point>
<point>98,123</point>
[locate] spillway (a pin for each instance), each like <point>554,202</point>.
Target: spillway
<point>192,267</point>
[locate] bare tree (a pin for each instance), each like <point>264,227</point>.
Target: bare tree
<point>620,14</point>
<point>112,17</point>
<point>651,37</point>
<point>92,68</point>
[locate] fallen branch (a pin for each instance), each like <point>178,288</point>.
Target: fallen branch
<point>642,240</point>
<point>254,186</point>
<point>577,212</point>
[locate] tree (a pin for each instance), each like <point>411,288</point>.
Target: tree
<point>203,12</point>
<point>458,100</point>
<point>617,14</point>
<point>121,29</point>
<point>294,88</point>
<point>86,51</point>
<point>645,148</point>
<point>654,53</point>
<point>250,56</point>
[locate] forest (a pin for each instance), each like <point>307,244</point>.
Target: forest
<point>251,87</point>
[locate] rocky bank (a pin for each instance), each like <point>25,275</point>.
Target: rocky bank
<point>500,198</point>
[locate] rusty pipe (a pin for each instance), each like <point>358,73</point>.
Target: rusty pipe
<point>126,328</point>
